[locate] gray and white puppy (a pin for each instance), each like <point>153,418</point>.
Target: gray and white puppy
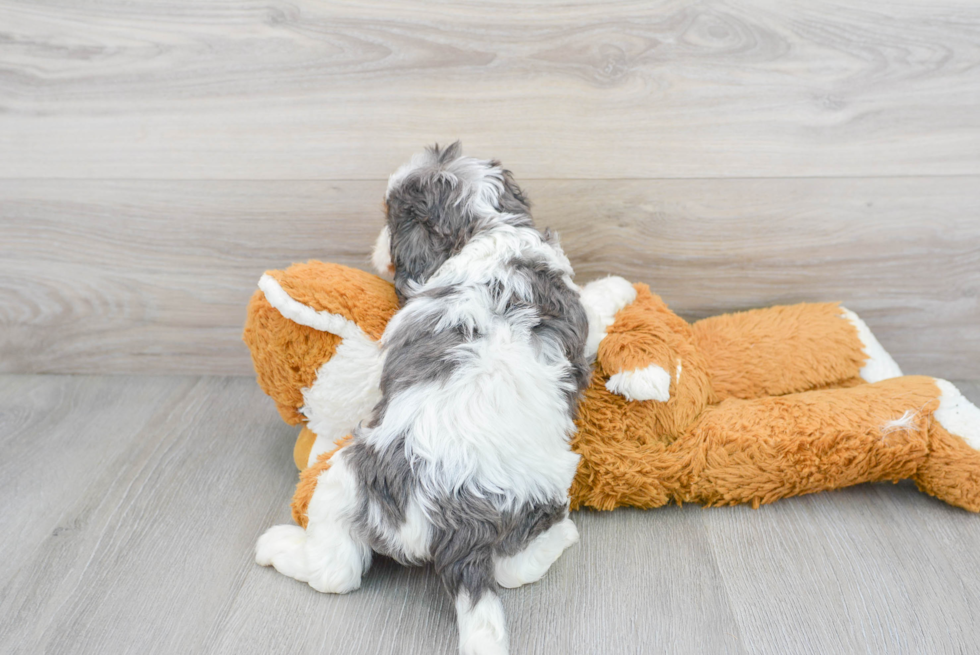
<point>465,461</point>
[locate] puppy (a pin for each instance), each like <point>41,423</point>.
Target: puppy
<point>465,461</point>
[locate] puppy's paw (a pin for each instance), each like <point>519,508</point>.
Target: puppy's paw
<point>282,546</point>
<point>533,562</point>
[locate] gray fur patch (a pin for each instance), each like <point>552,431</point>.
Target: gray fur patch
<point>469,530</point>
<point>430,218</point>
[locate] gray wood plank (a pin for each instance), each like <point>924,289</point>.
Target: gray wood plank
<point>158,554</point>
<point>637,582</point>
<point>154,276</point>
<point>625,89</point>
<point>622,589</point>
<point>159,543</point>
<point>58,435</point>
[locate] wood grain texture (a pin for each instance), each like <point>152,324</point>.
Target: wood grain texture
<point>153,540</point>
<point>208,89</point>
<point>154,276</point>
<point>140,537</point>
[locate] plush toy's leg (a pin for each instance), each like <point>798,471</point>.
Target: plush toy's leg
<point>303,447</point>
<point>789,349</point>
<point>757,451</point>
<point>326,554</point>
<point>534,561</point>
<point>952,470</point>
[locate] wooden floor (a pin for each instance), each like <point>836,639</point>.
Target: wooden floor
<point>131,506</point>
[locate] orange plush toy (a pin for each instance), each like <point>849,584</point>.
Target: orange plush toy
<point>740,408</point>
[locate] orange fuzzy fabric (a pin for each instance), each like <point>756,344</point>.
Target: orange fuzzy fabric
<point>307,482</point>
<point>287,355</point>
<point>759,450</point>
<point>780,350</point>
<point>763,404</point>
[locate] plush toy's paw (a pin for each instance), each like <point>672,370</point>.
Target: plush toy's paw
<point>608,295</point>
<point>649,383</point>
<point>879,365</point>
<point>283,546</point>
<point>533,562</point>
<point>602,300</point>
<point>957,415</point>
<point>331,564</point>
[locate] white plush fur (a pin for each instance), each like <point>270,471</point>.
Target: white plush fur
<point>602,299</point>
<point>879,365</point>
<point>649,383</point>
<point>482,628</point>
<point>324,555</point>
<point>534,561</point>
<point>345,390</point>
<point>501,423</point>
<point>348,385</point>
<point>958,415</point>
<point>304,314</point>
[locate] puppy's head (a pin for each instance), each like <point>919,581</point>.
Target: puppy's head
<point>435,204</point>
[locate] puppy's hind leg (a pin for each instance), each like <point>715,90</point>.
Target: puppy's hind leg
<point>533,562</point>
<point>327,554</point>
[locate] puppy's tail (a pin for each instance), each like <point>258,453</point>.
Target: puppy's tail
<point>479,612</point>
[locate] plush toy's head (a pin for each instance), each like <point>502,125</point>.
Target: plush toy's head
<point>298,318</point>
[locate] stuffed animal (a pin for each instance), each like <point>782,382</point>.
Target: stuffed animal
<point>740,408</point>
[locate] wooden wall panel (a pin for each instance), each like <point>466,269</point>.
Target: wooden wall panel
<point>153,276</point>
<point>206,89</point>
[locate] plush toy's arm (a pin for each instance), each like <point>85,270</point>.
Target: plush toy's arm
<point>788,349</point>
<point>636,351</point>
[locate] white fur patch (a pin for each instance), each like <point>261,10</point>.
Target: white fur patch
<point>482,629</point>
<point>650,383</point>
<point>958,415</point>
<point>346,388</point>
<point>325,554</point>
<point>480,260</point>
<point>415,534</point>
<point>381,255</point>
<point>283,546</point>
<point>304,314</point>
<point>879,365</point>
<point>533,562</point>
<point>500,423</point>
<point>602,300</point>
